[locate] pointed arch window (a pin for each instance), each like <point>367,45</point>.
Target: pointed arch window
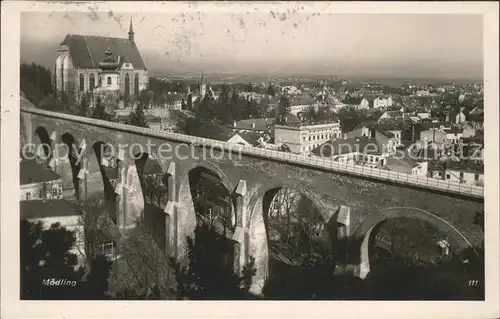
<point>82,82</point>
<point>136,84</point>
<point>63,64</point>
<point>92,82</point>
<point>127,84</point>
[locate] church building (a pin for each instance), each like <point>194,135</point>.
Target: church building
<point>94,64</point>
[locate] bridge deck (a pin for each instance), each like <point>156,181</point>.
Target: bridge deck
<point>290,158</point>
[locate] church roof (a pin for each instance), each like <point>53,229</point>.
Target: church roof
<point>88,51</point>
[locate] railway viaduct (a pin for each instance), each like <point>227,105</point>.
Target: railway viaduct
<point>351,200</point>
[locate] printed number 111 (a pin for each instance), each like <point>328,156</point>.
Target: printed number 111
<point>473,282</point>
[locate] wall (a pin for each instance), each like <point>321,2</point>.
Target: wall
<point>53,190</point>
<point>397,134</point>
<point>289,136</point>
<point>437,136</point>
<point>86,74</point>
<point>467,178</point>
<point>66,75</point>
<point>236,139</point>
<point>453,137</point>
<point>468,132</point>
<point>115,81</point>
<point>294,109</point>
<point>315,135</point>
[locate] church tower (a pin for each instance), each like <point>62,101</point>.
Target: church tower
<point>131,32</point>
<point>203,87</point>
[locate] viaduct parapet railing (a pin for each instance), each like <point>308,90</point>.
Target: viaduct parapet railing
<point>290,158</point>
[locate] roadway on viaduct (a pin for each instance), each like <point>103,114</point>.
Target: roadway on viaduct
<point>358,203</point>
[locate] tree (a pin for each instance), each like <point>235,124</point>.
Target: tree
<point>50,103</point>
<point>97,279</point>
<point>35,82</point>
<point>236,106</point>
<point>84,106</point>
<point>204,106</point>
<point>285,148</point>
<point>251,110</point>
<point>311,113</point>
<point>323,115</point>
<point>146,272</point>
<point>250,87</point>
<point>283,108</point>
<point>100,111</point>
<point>138,117</point>
<point>205,277</point>
<point>191,125</point>
<point>222,107</point>
<point>145,98</point>
<point>46,254</point>
<point>349,119</point>
<point>270,90</point>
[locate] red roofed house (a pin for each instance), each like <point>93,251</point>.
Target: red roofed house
<point>93,63</point>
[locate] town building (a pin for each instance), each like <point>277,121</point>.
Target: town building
<point>254,139</point>
<point>302,138</point>
<point>263,124</point>
<point>354,150</point>
<point>95,64</point>
<point>157,123</point>
<point>51,211</point>
<point>291,90</point>
<point>384,138</point>
<point>458,116</point>
<point>252,96</point>
<point>476,118</point>
<point>433,135</point>
<point>453,135</point>
<point>472,148</point>
<point>466,173</point>
<point>406,164</point>
<point>103,238</point>
<point>394,131</point>
<point>175,101</point>
<point>391,115</point>
<point>38,182</point>
<point>380,102</point>
<point>303,104</point>
<point>357,103</point>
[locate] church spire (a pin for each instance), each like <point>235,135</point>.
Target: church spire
<point>131,32</point>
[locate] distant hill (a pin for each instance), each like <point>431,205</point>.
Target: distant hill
<point>44,53</point>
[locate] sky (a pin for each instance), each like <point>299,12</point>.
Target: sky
<point>386,45</point>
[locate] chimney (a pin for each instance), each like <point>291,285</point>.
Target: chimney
<point>253,125</point>
<point>234,123</point>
